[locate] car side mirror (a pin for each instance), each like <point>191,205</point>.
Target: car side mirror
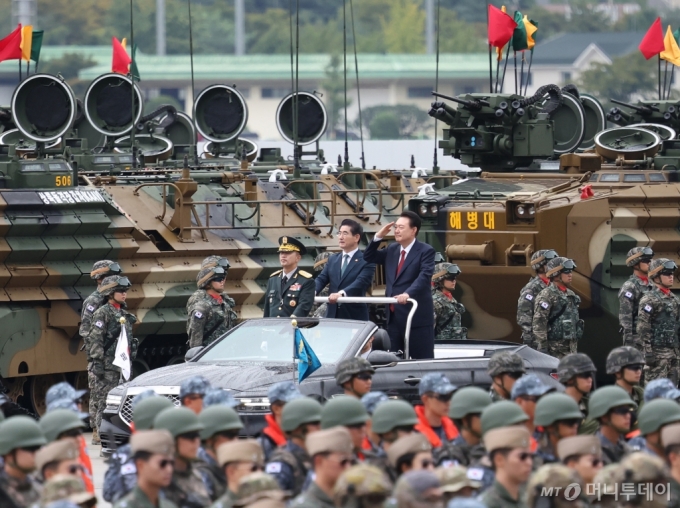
<point>191,354</point>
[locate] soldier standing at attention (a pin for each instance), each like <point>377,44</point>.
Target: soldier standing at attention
<point>625,364</point>
<point>210,314</point>
<point>556,323</point>
<point>504,369</point>
<point>107,323</point>
<point>152,452</point>
<point>577,372</point>
<point>527,297</point>
<point>290,291</point>
<point>447,311</point>
<point>613,408</point>
<point>511,458</point>
<point>630,294</point>
<point>100,270</point>
<point>658,318</point>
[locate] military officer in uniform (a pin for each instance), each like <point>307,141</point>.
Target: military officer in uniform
<point>153,452</point>
<point>447,311</point>
<point>630,294</point>
<point>100,270</point>
<point>290,291</point>
<point>525,304</point>
<point>556,324</point>
<point>658,321</point>
<point>210,314</point>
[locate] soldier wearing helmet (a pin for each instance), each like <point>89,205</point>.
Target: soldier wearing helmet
<point>279,395</point>
<point>613,409</point>
<point>625,364</point>
<point>656,415</point>
<point>290,291</point>
<point>641,471</point>
<point>526,393</point>
<point>504,369</point>
<point>212,262</point>
<point>559,417</point>
<point>577,373</point>
<point>658,321</point>
<point>210,310</point>
<point>436,392</point>
<point>558,477</point>
<point>631,292</point>
<point>108,322</point>
<point>354,376</point>
<point>447,311</point>
<point>362,486</point>
<point>670,438</point>
<point>319,310</point>
<point>527,297</point>
<point>100,270</point>
<point>556,323</point>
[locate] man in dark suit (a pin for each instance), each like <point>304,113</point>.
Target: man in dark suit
<point>347,274</point>
<point>409,265</point>
<point>290,292</point>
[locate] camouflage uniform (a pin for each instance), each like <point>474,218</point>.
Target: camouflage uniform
<point>319,309</point>
<point>629,300</point>
<point>18,493</point>
<point>658,329</point>
<point>556,323</point>
<point>136,498</point>
<point>188,489</point>
<point>528,294</point>
<point>503,362</point>
<point>209,317</point>
<point>553,476</point>
<point>313,497</point>
<point>65,487</point>
<point>447,311</point>
<point>292,467</point>
<point>104,336</point>
<point>498,497</point>
<point>358,482</point>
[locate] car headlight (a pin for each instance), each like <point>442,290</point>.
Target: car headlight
<point>422,209</point>
<point>434,209</point>
<point>114,400</point>
<point>532,210</point>
<point>253,404</point>
<point>520,210</point>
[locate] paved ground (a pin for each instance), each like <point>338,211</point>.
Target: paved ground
<point>99,467</point>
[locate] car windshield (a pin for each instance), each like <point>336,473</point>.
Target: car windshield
<point>273,341</point>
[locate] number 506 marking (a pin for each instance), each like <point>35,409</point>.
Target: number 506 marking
<point>63,181</point>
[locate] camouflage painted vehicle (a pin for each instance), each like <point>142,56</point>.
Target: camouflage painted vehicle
<point>78,190</point>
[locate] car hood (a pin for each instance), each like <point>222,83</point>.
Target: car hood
<point>236,376</point>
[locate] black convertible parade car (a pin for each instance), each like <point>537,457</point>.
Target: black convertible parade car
<point>259,352</point>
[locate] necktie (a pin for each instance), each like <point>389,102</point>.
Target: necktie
<point>345,261</point>
<point>401,264</point>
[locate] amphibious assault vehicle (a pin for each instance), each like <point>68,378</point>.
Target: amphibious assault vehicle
<point>75,188</point>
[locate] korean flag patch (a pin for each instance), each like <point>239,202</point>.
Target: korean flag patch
<point>99,324</point>
<point>198,314</point>
<point>648,308</point>
<point>475,473</point>
<point>90,308</point>
<point>529,297</point>
<point>273,467</point>
<point>628,294</point>
<point>545,305</point>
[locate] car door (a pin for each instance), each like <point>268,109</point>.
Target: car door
<point>400,380</point>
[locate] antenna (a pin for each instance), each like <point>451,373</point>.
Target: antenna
<point>344,58</point>
<point>296,103</point>
<point>356,68</point>
<point>191,59</point>
<point>132,88</point>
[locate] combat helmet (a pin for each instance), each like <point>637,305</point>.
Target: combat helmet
<point>553,476</point>
<point>300,411</point>
<point>217,419</point>
<point>574,364</point>
<point>144,411</point>
<point>555,407</point>
<point>662,388</point>
<point>530,385</point>
<point>622,356</point>
<point>178,421</point>
<point>392,414</point>
<point>641,467</point>
<point>505,362</point>
<point>113,284</point>
<point>256,486</point>
<point>502,414</point>
<point>657,413</point>
<point>350,367</point>
<point>55,423</point>
<point>541,257</point>
<point>661,266</point>
<point>321,260</point>
<point>343,410</point>
<point>468,401</point>
<point>639,255</point>
<point>372,400</point>
<point>20,432</point>
<point>559,265</point>
<point>208,275</point>
<point>607,398</point>
<point>104,268</point>
<point>445,271</point>
<point>362,480</point>
<point>213,261</point>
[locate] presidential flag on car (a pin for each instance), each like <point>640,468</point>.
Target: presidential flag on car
<point>308,361</point>
<point>122,356</point>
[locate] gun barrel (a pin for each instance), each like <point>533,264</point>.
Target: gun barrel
<point>477,103</point>
<point>639,109</point>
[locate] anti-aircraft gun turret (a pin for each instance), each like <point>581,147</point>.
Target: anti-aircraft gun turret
<point>665,112</point>
<point>503,132</point>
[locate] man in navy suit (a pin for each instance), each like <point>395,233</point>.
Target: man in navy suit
<point>409,265</point>
<point>347,274</point>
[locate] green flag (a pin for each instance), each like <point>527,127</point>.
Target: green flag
<point>133,66</point>
<point>519,36</point>
<point>36,44</point>
<point>676,35</point>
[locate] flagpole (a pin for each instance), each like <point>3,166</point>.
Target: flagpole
<point>505,66</point>
<point>670,84</point>
<point>294,324</point>
<point>490,63</point>
<point>20,78</point>
<point>515,55</point>
<point>665,76</point>
<point>521,75</point>
<point>132,87</point>
<point>531,59</point>
<point>658,57</point>
<point>498,73</point>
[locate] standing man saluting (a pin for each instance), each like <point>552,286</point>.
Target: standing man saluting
<point>409,265</point>
<point>290,292</point>
<point>348,274</point>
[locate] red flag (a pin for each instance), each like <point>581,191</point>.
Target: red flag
<point>121,60</point>
<point>10,46</point>
<point>501,27</point>
<point>652,43</point>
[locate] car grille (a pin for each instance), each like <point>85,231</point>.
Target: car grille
<point>126,409</point>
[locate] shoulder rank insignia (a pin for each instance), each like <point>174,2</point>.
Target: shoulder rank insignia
<point>304,274</point>
<point>278,272</point>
